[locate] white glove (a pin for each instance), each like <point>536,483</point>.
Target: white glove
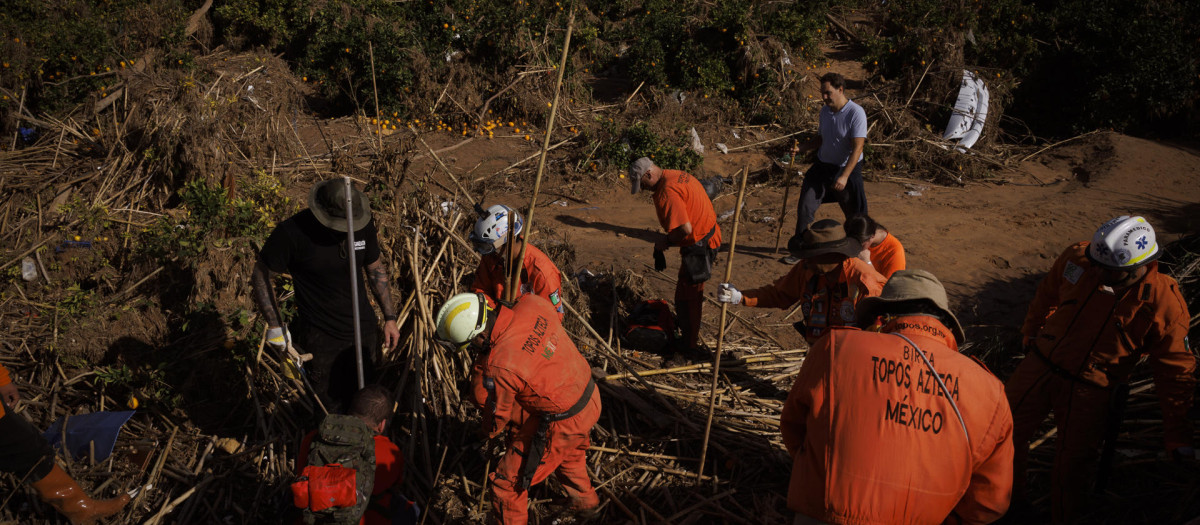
<point>279,338</point>
<point>282,343</point>
<point>726,293</point>
<point>277,341</point>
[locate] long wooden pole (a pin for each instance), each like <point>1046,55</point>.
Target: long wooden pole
<point>509,295</point>
<point>514,271</point>
<point>712,397</point>
<point>787,188</point>
<point>358,358</point>
<point>375,90</point>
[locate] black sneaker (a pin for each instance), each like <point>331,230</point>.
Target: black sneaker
<point>795,244</point>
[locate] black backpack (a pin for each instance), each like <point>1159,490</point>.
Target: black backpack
<point>651,326</point>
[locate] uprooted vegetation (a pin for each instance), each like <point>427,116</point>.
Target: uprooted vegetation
<point>149,167</point>
<point>471,67</point>
<point>159,319</point>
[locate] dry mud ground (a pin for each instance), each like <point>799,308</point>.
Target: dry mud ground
<point>990,244</point>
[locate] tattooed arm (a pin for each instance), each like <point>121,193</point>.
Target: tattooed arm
<point>260,279</point>
<point>377,276</point>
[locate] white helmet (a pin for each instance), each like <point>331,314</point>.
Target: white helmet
<point>491,230</point>
<point>1123,243</point>
<point>463,317</point>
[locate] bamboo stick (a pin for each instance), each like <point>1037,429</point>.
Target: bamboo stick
<point>689,368</point>
<point>514,277</point>
<point>638,454</point>
<point>787,188</point>
<point>170,506</point>
<point>433,485</point>
<point>776,139</point>
<point>624,364</point>
<point>712,400</point>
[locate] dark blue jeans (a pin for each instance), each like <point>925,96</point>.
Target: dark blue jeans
<point>817,189</point>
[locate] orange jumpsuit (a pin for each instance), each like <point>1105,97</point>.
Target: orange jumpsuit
<point>823,303</point>
<point>539,276</point>
<point>4,380</point>
<point>533,368</point>
<point>887,257</point>
<point>874,440</point>
<point>1093,338</point>
<point>678,199</point>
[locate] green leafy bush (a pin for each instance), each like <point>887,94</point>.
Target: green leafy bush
<point>210,217</point>
<point>60,52</point>
<point>1131,66</point>
<point>799,24</point>
<point>994,34</point>
<point>708,47</point>
<point>1076,65</point>
<point>689,45</point>
<point>331,43</point>
<point>621,149</point>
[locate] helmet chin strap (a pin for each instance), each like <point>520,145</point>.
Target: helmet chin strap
<point>1129,277</point>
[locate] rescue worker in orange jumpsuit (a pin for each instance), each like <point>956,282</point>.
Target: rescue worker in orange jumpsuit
<point>24,453</point>
<point>829,281</point>
<point>897,427</point>
<point>1103,306</point>
<point>531,384</point>
<point>686,214</point>
<point>539,275</point>
<point>881,249</point>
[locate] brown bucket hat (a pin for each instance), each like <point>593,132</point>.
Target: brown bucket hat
<point>327,200</point>
<point>908,285</point>
<point>822,237</point>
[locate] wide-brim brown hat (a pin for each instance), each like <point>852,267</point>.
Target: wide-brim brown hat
<point>327,200</point>
<point>823,237</point>
<point>909,285</point>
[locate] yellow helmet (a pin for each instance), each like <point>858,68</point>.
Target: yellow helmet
<point>463,317</point>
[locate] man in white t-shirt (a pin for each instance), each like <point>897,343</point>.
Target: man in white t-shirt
<point>836,176</point>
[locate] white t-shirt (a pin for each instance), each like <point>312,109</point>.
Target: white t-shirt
<point>837,131</point>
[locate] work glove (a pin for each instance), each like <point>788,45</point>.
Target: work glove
<point>865,255</point>
<point>280,340</point>
<point>660,260</point>
<point>726,293</point>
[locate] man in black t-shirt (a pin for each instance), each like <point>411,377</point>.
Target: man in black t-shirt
<point>311,246</point>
